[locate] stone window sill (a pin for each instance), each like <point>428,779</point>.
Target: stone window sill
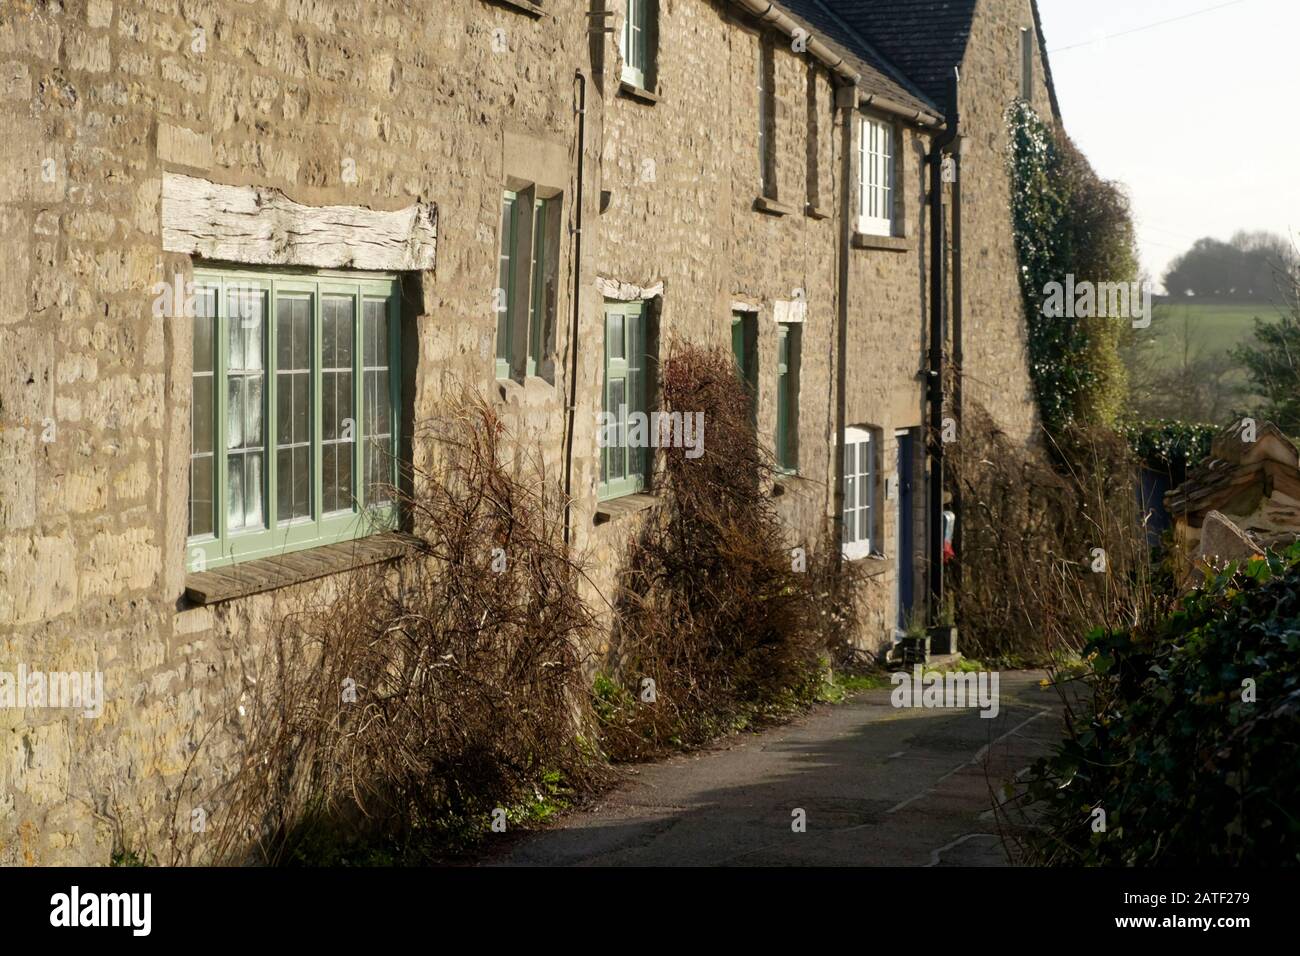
<point>513,390</point>
<point>607,511</point>
<point>814,211</point>
<point>523,6</point>
<point>634,92</point>
<point>772,207</point>
<point>862,240</point>
<point>283,570</point>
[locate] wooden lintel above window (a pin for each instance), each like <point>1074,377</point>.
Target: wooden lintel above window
<point>259,225</point>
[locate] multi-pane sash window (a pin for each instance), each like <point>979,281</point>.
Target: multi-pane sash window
<point>293,419</point>
<point>624,465</point>
<point>787,396</point>
<point>876,177</point>
<point>636,42</point>
<point>524,313</point>
<point>859,539</point>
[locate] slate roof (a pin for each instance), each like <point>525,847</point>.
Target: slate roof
<point>924,39</point>
<point>915,42</point>
<point>877,74</point>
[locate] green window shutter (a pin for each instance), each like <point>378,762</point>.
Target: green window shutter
<point>295,398</point>
<point>624,468</point>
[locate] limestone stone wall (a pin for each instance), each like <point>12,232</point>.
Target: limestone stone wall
<point>379,104</point>
<point>995,339</point>
<point>373,103</point>
<point>683,177</point>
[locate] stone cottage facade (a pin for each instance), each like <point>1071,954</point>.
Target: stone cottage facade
<point>245,243</point>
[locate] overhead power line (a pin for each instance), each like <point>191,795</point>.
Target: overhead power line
<point>1149,26</point>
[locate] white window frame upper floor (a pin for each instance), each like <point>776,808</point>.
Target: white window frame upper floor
<point>878,158</point>
<point>861,537</point>
<point>635,42</point>
<point>1026,64</point>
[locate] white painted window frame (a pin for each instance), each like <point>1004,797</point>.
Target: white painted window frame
<point>877,158</point>
<point>633,43</point>
<point>853,544</point>
<point>1026,65</point>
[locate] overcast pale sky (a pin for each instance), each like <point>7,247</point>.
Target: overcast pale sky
<point>1196,117</point>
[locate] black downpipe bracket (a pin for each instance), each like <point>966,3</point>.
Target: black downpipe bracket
<point>938,326</point>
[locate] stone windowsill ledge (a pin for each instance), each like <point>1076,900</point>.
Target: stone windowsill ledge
<point>513,390</point>
<point>283,570</point>
<point>607,511</point>
<point>634,92</point>
<point>523,6</point>
<point>862,240</point>
<point>772,207</point>
<point>814,211</point>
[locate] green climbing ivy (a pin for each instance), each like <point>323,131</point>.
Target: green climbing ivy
<point>1068,221</point>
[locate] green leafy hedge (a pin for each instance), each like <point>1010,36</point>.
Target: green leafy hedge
<point>1188,768</point>
<point>1166,444</point>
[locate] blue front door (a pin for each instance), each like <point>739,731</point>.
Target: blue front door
<point>906,528</point>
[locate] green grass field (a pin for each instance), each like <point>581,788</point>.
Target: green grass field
<point>1182,366</point>
<point>1214,329</point>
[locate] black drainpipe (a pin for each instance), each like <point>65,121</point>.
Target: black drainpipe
<point>846,98</point>
<point>572,389</point>
<point>957,354</point>
<point>938,314</point>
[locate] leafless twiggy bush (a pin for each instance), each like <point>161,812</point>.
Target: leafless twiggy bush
<point>434,690</point>
<point>713,605</point>
<point>1053,544</point>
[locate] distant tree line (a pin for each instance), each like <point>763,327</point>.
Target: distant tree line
<point>1251,266</point>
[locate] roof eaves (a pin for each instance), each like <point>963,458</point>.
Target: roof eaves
<point>848,65</point>
<point>894,72</point>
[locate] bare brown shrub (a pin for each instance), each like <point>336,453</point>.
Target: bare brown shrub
<point>712,605</point>
<point>468,679</point>
<point>1027,590</point>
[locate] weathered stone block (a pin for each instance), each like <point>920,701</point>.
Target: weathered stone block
<point>37,578</point>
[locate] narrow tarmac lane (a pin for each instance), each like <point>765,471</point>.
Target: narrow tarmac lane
<point>880,787</point>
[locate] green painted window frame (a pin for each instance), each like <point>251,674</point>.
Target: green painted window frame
<point>225,546</point>
<point>505,294</point>
<point>744,348</point>
<point>509,308</point>
<point>542,261</point>
<point>625,363</point>
<point>788,349</point>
